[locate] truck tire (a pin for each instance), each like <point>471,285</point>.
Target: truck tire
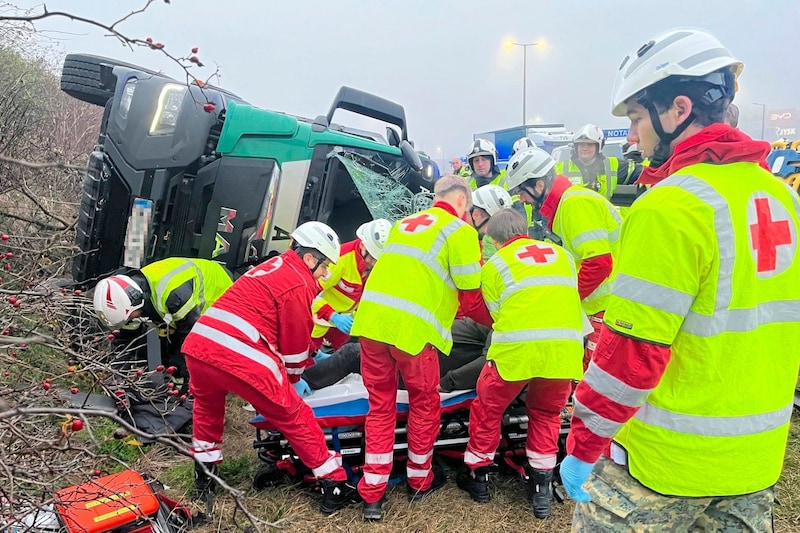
<point>81,77</point>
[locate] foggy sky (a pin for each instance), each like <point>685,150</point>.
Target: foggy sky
<point>444,61</point>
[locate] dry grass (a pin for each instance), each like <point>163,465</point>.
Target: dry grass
<point>450,509</point>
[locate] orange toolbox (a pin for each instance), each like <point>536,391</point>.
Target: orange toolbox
<point>121,502</point>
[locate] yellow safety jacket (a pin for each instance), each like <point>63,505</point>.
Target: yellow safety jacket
<point>709,266</point>
<point>464,171</point>
<point>497,180</point>
<point>606,182</point>
<point>589,226</point>
<point>411,296</point>
<point>341,290</point>
<point>182,288</point>
<point>523,276</point>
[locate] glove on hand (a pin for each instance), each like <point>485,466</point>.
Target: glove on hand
<point>342,322</point>
<point>574,474</point>
<point>302,388</point>
<point>321,356</point>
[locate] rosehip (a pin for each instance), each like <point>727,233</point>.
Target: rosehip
<point>63,291</point>
<point>13,354</point>
<point>48,380</point>
<point>7,266</point>
<point>4,237</point>
<point>9,255</point>
<point>72,370</point>
<point>74,390</point>
<point>6,332</point>
<point>182,398</point>
<point>139,373</point>
<point>6,374</point>
<point>111,336</point>
<point>23,346</point>
<point>78,292</point>
<point>194,51</point>
<point>170,386</point>
<point>160,368</point>
<point>16,304</point>
<point>149,39</point>
<point>171,370</point>
<point>208,108</point>
<point>12,300</point>
<point>176,392</point>
<point>77,424</point>
<point>158,46</point>
<point>97,473</point>
<point>46,386</point>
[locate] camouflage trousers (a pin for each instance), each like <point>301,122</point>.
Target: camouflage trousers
<point>620,503</point>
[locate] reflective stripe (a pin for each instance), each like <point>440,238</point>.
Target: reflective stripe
<point>588,236</point>
<point>379,458</point>
<point>473,458</point>
<point>594,422</point>
<point>510,286</point>
<point>206,452</point>
<point>375,479</point>
<point>465,270</point>
<point>247,329</point>
<point>602,290</point>
<point>741,320</point>
<point>295,357</point>
<point>714,426</point>
<point>653,294</point>
<point>549,334</point>
<point>162,286</point>
<point>294,371</point>
<point>414,472</point>
<point>614,389</point>
<point>333,463</point>
<point>426,258</point>
<point>542,461</point>
<point>237,346</point>
<point>419,459</point>
<point>408,307</point>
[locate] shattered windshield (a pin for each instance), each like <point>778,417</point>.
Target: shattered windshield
<point>385,182</point>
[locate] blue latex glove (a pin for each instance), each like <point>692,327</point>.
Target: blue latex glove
<point>342,322</point>
<point>302,388</point>
<point>321,356</point>
<point>574,474</point>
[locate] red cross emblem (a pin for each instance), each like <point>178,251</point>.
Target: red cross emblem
<point>772,237</point>
<point>536,254</point>
<point>266,268</point>
<point>418,223</point>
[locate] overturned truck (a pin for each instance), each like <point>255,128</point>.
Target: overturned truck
<point>191,170</point>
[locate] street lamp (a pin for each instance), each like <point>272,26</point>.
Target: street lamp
<point>509,44</point>
<point>763,115</point>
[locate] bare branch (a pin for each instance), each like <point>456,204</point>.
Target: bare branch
<point>40,165</point>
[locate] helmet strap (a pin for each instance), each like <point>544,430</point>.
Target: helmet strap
<point>662,150</point>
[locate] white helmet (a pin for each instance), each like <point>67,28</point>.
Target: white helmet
<point>491,198</point>
<point>682,52</point>
<point>484,148</point>
<point>522,144</point>
<point>589,133</point>
<point>374,234</point>
<point>116,298</point>
<point>528,164</point>
<point>318,236</point>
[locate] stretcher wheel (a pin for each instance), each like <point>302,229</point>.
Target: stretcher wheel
<point>267,475</point>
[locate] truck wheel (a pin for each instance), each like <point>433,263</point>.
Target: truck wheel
<point>81,77</point>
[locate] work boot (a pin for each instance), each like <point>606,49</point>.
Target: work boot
<point>373,512</point>
<point>336,494</point>
<point>439,479</point>
<point>203,484</point>
<point>476,482</point>
<point>540,490</point>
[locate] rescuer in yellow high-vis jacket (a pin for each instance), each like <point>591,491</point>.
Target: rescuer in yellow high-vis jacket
<point>406,313</point>
<point>695,370</point>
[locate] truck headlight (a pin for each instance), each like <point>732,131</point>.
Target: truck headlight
<point>169,105</point>
<point>127,98</point>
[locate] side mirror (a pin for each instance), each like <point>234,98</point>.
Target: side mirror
<point>410,155</point>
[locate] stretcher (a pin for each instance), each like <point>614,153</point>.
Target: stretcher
<point>341,409</point>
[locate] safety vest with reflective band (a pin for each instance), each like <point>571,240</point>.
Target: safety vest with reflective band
<point>497,180</point>
<point>719,282</point>
<point>523,276</point>
<point>341,291</point>
<point>206,279</point>
<point>411,296</point>
<point>606,182</point>
<point>589,226</point>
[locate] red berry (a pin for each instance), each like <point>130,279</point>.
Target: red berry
<point>72,370</point>
<point>23,346</point>
<point>4,237</point>
<point>78,292</point>
<point>16,304</point>
<point>63,291</point>
<point>182,398</point>
<point>46,386</point>
<point>12,300</point>
<point>194,51</point>
<point>111,336</point>
<point>119,393</point>
<point>7,266</point>
<point>48,380</point>
<point>9,255</point>
<point>149,39</point>
<point>171,370</point>
<point>208,108</point>
<point>6,332</point>
<point>74,390</point>
<point>158,46</point>
<point>176,392</point>
<point>6,374</point>
<point>170,386</point>
<point>77,424</point>
<point>139,373</point>
<point>194,59</point>
<point>13,354</point>
<point>160,368</point>
<point>97,473</point>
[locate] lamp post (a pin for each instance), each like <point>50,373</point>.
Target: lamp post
<point>509,44</point>
<point>763,115</point>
